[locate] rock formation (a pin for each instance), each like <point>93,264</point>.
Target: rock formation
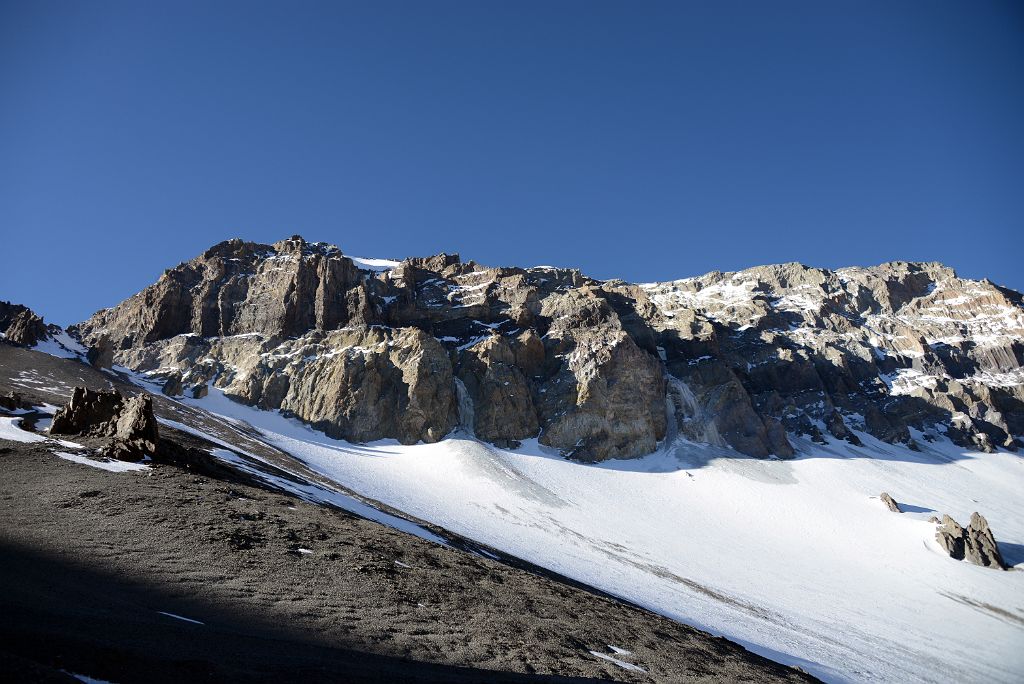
<point>596,369</point>
<point>890,503</point>
<point>20,325</point>
<point>13,401</point>
<point>881,350</point>
<point>974,544</point>
<point>101,353</point>
<point>129,423</point>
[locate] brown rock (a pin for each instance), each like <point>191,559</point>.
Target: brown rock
<point>503,409</point>
<point>20,325</point>
<point>359,383</point>
<point>129,423</point>
<point>764,353</point>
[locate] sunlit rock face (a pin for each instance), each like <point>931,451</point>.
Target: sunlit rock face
<point>889,349</point>
<point>411,350</point>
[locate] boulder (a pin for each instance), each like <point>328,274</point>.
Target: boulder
<point>12,401</point>
<point>101,352</point>
<point>837,428</point>
<point>974,544</point>
<point>890,503</point>
<point>129,423</point>
<point>88,412</point>
<point>172,385</point>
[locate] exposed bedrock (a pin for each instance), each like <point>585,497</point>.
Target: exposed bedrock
<point>903,352</point>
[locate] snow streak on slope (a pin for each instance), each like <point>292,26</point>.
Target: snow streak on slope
<point>797,560</point>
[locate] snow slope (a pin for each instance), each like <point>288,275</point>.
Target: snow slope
<point>798,560</point>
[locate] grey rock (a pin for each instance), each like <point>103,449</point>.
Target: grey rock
<point>172,385</point>
<point>974,544</point>
<point>359,383</point>
<point>12,401</point>
<point>890,503</point>
<point>837,428</point>
<point>101,353</point>
<point>503,408</point>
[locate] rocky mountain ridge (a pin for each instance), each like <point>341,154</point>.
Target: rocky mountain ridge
<point>412,350</point>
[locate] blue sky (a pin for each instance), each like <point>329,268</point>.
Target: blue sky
<point>645,141</point>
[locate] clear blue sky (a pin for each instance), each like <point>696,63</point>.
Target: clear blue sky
<point>645,141</point>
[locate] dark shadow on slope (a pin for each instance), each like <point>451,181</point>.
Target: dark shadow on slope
<point>60,615</point>
<point>911,508</point>
<point>1012,553</point>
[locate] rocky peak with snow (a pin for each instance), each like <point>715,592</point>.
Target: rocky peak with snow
<point>20,325</point>
<point>365,349</point>
<point>889,349</point>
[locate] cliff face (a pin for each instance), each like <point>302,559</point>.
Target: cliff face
<point>599,370</point>
<point>886,349</point>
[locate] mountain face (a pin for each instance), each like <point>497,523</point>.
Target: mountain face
<point>412,350</point>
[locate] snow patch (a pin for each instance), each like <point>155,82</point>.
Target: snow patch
<point>10,430</point>
<point>180,617</point>
<point>110,466</point>
<point>376,265</point>
<point>621,663</point>
<point>61,345</point>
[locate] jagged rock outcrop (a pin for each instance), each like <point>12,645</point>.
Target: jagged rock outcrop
<point>128,422</point>
<point>974,544</point>
<point>363,354</point>
<point>101,353</point>
<point>240,287</point>
<point>750,360</point>
<point>884,350</point>
<point>20,325</point>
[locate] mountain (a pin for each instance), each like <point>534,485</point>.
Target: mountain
<point>818,465</point>
<point>365,350</point>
